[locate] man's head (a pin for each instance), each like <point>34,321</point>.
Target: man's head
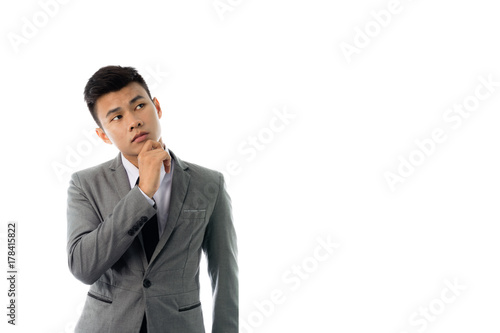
<point>121,104</point>
<point>109,79</point>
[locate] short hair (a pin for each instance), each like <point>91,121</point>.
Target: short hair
<point>110,79</point>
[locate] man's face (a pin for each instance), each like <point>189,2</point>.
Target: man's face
<point>124,115</point>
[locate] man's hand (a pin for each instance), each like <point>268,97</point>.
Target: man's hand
<point>150,161</point>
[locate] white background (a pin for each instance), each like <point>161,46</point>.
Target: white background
<point>222,78</point>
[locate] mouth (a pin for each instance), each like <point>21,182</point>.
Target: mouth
<point>139,137</point>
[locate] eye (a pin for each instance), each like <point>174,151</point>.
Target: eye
<point>117,117</point>
<point>140,106</point>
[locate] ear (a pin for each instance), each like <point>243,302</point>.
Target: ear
<point>157,106</point>
<point>100,133</point>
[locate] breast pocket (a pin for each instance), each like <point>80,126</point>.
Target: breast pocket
<point>193,213</point>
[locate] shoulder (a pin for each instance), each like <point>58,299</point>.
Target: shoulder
<point>199,175</point>
<point>94,172</point>
<point>195,170</point>
<point>202,172</point>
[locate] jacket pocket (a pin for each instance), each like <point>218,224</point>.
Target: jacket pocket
<point>189,307</point>
<point>194,213</point>
<point>100,298</point>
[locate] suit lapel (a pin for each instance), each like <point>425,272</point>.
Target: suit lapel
<point>119,177</point>
<point>180,184</point>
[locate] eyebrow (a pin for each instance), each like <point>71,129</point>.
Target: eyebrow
<point>132,101</point>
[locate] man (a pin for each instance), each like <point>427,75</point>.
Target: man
<point>137,224</point>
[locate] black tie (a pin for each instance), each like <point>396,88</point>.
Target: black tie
<point>150,234</point>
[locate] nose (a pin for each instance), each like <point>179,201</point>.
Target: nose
<point>135,123</point>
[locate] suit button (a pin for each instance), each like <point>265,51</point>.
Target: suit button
<point>146,283</point>
<point>143,219</point>
<point>131,232</point>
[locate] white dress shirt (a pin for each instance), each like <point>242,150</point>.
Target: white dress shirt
<point>161,197</point>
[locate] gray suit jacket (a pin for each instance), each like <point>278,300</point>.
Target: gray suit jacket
<point>105,250</point>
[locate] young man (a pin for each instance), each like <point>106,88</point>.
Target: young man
<point>138,223</point>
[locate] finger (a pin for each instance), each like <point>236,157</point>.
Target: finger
<point>147,146</point>
<point>155,144</point>
<point>167,163</point>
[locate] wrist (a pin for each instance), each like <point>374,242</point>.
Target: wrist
<point>147,193</point>
<point>150,200</point>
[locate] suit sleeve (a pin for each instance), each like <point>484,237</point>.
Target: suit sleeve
<point>95,243</point>
<point>221,250</point>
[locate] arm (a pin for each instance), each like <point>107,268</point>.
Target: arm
<point>221,250</point>
<point>95,245</point>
